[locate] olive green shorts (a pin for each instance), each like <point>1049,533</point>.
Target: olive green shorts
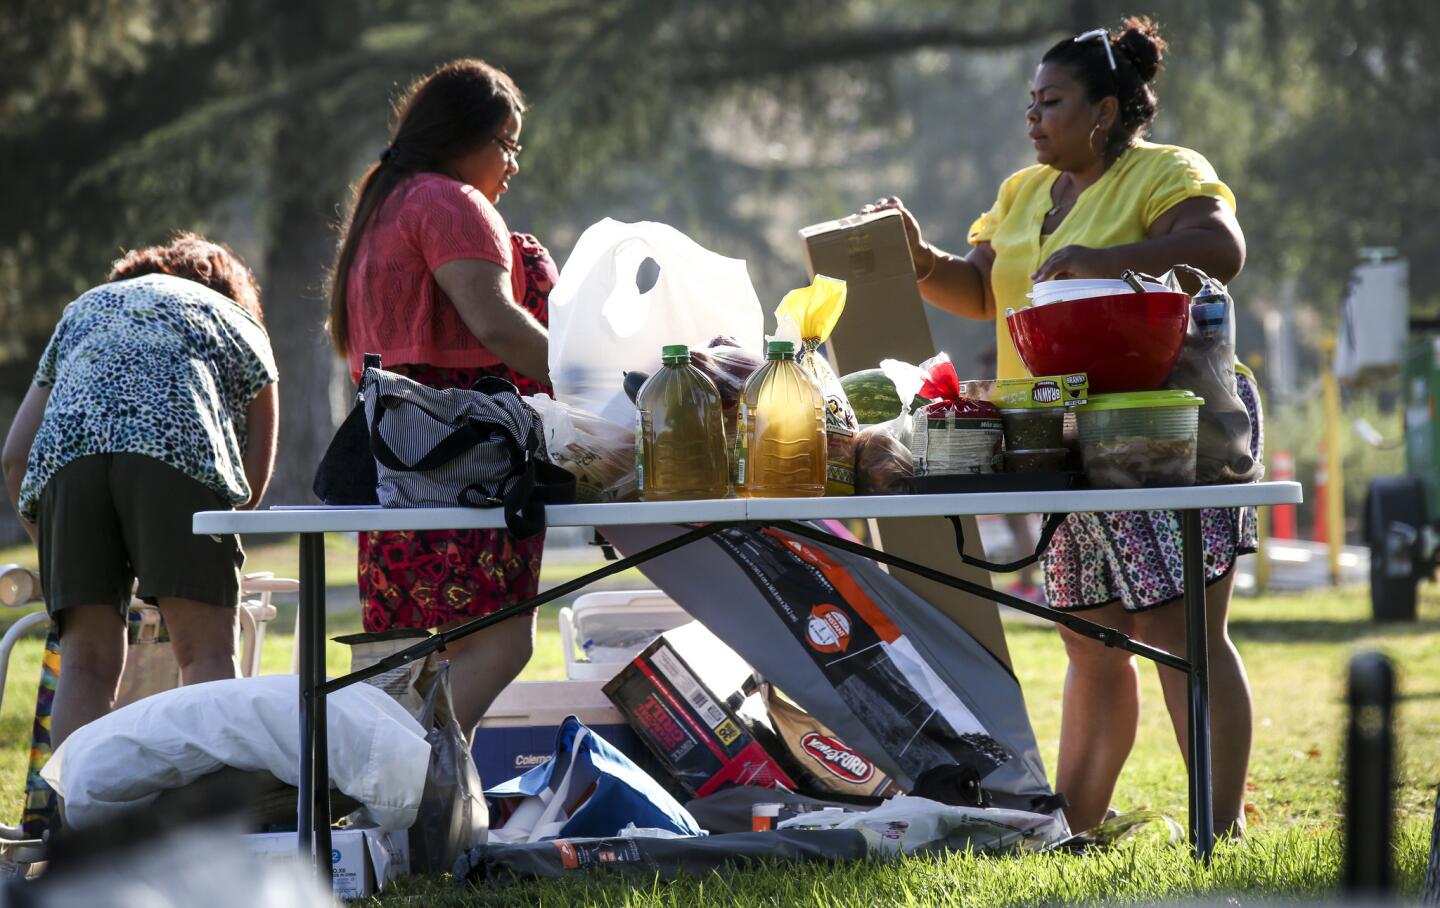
<point>106,519</point>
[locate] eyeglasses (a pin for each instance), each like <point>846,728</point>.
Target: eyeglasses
<point>1104,38</point>
<point>512,149</point>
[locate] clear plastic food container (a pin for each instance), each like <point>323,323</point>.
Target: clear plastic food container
<point>1037,460</point>
<point>1139,440</point>
<point>1035,428</point>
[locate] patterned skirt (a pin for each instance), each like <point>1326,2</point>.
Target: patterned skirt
<point>1135,557</point>
<point>426,578</point>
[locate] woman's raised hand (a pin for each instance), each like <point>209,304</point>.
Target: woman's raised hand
<point>920,252</point>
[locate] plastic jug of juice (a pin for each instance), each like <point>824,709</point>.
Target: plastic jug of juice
<point>781,430</point>
<point>679,433</point>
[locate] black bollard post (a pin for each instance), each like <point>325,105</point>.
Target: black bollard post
<point>1369,777</point>
<point>1430,895</point>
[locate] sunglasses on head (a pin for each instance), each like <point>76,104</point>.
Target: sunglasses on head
<point>1104,38</point>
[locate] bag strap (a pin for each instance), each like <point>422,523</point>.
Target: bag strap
<point>1052,523</point>
<point>539,484</point>
<point>460,440</point>
<point>494,384</point>
<point>546,824</point>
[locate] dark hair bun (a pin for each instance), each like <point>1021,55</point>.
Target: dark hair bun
<point>1141,41</point>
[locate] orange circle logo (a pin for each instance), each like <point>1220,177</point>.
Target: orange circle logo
<point>828,629</point>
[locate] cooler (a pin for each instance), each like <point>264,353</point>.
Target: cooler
<point>518,731</point>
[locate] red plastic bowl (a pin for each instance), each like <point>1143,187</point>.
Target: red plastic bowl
<point>1124,343</point>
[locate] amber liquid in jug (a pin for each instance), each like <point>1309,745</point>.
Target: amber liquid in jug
<point>680,433</point>
<point>781,431</point>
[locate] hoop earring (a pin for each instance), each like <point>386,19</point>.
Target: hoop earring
<point>1101,152</point>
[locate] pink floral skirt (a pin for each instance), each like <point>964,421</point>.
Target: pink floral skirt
<point>1135,557</point>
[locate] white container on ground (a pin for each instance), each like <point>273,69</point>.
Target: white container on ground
<point>611,628</point>
<point>361,860</point>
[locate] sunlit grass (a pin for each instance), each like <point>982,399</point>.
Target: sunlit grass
<point>1295,647</point>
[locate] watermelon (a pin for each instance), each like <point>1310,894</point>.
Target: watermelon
<point>873,396</point>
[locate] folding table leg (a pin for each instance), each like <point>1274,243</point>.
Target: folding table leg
<point>1202,817</point>
<point>313,820</point>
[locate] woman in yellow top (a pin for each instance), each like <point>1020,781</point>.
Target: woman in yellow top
<point>1100,201</point>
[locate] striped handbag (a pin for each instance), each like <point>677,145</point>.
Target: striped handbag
<point>457,447</point>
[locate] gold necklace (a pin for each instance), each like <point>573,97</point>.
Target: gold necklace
<point>1060,206</point>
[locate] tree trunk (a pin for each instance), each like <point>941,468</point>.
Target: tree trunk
<point>301,243</point>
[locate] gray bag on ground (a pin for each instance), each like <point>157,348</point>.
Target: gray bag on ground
<point>652,858</point>
<point>457,447</point>
<point>453,815</point>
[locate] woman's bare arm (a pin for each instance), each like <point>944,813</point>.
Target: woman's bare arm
<point>1201,232</point>
<point>481,293</point>
<point>958,284</point>
<point>262,421</point>
<point>18,442</point>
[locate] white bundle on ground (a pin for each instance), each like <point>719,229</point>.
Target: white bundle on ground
<point>378,753</point>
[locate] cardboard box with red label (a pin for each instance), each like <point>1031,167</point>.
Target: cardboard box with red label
<point>675,696</point>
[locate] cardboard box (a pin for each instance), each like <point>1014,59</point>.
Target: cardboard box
<point>1040,392</point>
<point>870,254</point>
<point>885,317</point>
<point>361,860</point>
<point>518,732</point>
<point>675,695</point>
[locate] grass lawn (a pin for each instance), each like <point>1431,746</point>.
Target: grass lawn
<point>1295,647</point>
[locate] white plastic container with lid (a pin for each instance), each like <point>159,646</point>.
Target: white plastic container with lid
<point>1059,291</point>
<point>1137,440</point>
<point>611,627</point>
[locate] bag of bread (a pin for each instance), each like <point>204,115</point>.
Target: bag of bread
<point>806,317</point>
<point>600,454</point>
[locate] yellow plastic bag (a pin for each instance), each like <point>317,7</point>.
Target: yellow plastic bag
<point>807,316</point>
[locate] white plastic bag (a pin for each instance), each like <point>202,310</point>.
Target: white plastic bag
<point>599,453</point>
<point>910,825</point>
<point>883,462</point>
<point>626,291</point>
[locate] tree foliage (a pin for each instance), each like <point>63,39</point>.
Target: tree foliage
<point>737,121</point>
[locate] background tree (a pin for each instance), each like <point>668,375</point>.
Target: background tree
<point>737,122</point>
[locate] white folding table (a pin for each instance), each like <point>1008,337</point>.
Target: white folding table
<point>708,518</point>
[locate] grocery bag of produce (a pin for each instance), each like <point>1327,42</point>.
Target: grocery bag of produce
<point>1207,368</point>
<point>806,317</point>
<point>600,454</point>
<point>883,462</point>
<point>626,291</point>
<point>893,677</point>
<point>725,362</point>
